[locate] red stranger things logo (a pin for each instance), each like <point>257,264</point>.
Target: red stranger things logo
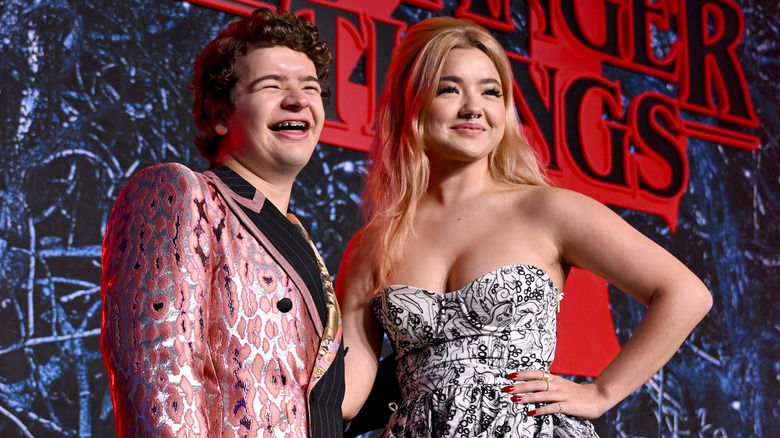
<point>626,151</point>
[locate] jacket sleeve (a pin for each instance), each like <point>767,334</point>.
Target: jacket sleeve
<point>155,287</point>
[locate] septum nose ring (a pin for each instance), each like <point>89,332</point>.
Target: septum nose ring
<point>472,116</point>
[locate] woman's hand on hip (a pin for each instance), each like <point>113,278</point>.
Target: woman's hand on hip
<point>559,394</point>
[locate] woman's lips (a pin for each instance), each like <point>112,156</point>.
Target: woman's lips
<point>469,128</point>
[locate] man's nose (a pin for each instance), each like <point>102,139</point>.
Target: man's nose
<point>295,99</point>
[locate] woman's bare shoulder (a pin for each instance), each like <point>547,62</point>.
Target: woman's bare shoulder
<point>543,200</point>
<point>361,243</point>
<point>357,265</point>
<point>551,200</point>
<point>557,211</point>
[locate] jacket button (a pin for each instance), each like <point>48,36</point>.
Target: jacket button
<point>284,305</point>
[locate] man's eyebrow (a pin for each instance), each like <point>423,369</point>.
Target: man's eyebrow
<point>271,77</point>
<point>459,80</point>
<point>281,78</point>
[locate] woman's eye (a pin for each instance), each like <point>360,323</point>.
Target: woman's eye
<point>494,92</point>
<point>446,90</point>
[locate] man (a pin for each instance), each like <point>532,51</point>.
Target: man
<point>219,317</point>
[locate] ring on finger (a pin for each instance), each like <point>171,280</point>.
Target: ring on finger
<point>560,408</point>
<point>546,376</point>
<point>548,385</point>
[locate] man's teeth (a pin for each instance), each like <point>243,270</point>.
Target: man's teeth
<point>290,124</point>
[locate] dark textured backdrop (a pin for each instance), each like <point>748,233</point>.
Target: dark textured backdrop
<point>92,91</point>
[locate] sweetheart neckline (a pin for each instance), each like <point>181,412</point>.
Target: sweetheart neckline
<point>533,268</point>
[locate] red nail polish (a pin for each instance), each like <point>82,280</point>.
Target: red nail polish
<point>508,388</point>
<point>517,398</point>
<point>532,413</point>
<point>511,376</point>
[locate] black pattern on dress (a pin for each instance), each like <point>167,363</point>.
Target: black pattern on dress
<point>455,349</point>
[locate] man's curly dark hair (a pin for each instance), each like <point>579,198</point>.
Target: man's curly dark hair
<point>215,68</point>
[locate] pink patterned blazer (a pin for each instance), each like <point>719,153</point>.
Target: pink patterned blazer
<point>208,329</point>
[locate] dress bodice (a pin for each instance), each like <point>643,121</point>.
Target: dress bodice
<point>454,350</point>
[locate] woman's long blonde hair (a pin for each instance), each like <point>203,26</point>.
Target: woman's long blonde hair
<point>399,170</point>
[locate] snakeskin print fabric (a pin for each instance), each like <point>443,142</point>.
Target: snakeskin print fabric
<point>455,349</point>
<point>192,337</point>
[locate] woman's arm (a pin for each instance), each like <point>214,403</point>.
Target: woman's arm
<point>592,237</point>
<point>362,333</point>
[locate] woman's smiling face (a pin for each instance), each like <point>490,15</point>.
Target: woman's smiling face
<point>466,119</point>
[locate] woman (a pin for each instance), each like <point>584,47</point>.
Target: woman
<point>465,251</point>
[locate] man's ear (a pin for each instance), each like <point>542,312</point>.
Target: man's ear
<point>216,112</point>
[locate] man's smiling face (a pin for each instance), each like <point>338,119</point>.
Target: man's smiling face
<point>277,114</point>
